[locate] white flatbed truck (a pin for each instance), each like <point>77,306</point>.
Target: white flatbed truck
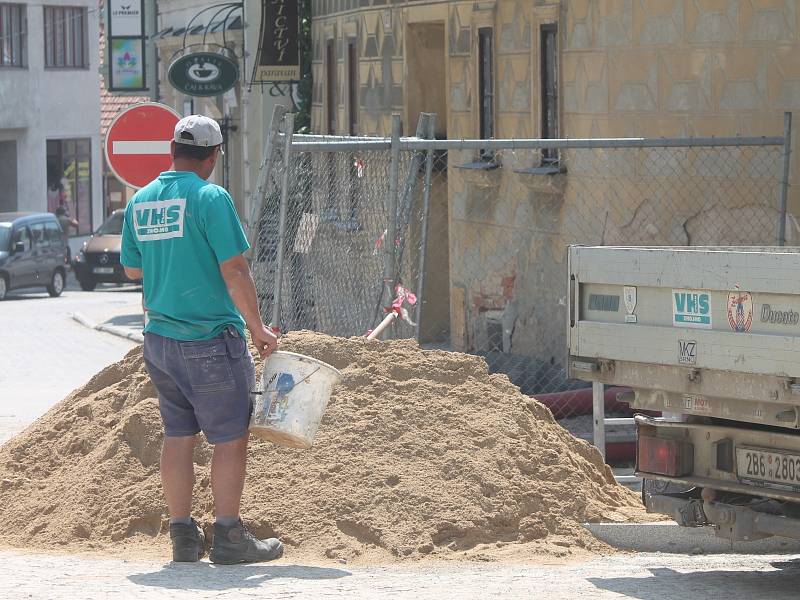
<point>710,338</point>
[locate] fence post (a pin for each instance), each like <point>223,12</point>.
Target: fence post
<point>599,415</point>
<point>787,151</point>
<point>390,249</point>
<point>405,195</point>
<point>287,155</point>
<point>426,205</point>
<point>259,195</point>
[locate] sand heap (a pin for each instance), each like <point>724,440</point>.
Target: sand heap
<point>420,454</point>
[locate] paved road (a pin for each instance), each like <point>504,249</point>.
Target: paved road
<point>44,354</point>
<point>643,577</point>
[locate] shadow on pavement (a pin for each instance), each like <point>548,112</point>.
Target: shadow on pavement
<point>73,286</point>
<point>16,295</point>
<point>207,576</point>
<point>730,585</point>
<point>127,321</point>
<point>112,287</point>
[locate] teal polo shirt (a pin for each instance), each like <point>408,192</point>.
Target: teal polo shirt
<point>178,229</point>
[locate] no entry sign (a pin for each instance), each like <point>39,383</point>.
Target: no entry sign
<point>137,143</point>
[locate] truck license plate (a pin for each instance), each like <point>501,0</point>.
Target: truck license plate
<point>768,466</point>
<point>103,270</point>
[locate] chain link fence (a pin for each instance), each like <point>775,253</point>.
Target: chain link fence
<point>474,233</point>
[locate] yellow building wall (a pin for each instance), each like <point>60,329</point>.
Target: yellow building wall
<point>626,68</point>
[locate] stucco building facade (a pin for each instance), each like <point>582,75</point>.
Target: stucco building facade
<point>565,69</point>
<point>624,67</point>
<point>244,112</point>
<point>50,148</point>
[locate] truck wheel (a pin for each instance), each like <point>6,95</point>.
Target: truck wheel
<point>56,284</point>
<point>87,285</point>
<point>3,286</point>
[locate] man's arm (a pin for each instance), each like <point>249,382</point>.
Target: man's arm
<point>133,273</point>
<point>130,257</point>
<point>236,273</point>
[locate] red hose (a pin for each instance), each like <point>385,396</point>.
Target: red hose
<point>575,403</point>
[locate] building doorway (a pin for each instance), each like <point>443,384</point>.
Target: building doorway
<point>426,92</point>
<point>426,77</point>
<point>69,180</point>
<point>8,175</point>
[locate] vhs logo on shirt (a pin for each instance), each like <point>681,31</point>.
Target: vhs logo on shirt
<point>159,220</point>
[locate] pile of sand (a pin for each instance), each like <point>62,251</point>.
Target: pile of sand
<point>420,454</point>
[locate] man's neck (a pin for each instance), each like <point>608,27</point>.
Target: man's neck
<point>181,164</point>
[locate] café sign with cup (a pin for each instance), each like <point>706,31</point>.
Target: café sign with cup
<point>203,74</point>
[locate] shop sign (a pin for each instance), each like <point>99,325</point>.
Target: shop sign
<point>278,57</point>
<point>125,51</point>
<point>127,63</point>
<point>125,17</point>
<point>203,74</point>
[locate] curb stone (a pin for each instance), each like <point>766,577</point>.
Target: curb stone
<point>133,336</point>
<point>667,537</point>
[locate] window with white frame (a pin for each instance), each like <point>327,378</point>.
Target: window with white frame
<point>13,35</point>
<point>65,37</point>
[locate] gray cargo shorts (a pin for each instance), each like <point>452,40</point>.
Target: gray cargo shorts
<point>202,385</point>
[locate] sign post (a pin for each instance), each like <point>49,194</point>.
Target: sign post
<point>138,141</point>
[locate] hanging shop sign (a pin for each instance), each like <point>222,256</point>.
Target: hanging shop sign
<point>125,48</point>
<point>203,74</point>
<point>278,57</point>
<point>126,66</point>
<point>125,17</point>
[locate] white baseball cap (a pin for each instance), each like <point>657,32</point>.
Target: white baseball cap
<point>197,130</point>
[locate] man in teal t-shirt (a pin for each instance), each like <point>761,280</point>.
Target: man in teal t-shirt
<point>183,238</point>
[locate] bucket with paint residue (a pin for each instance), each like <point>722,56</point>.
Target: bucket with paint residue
<point>292,398</point>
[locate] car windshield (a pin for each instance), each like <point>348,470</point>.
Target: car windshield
<point>113,226</point>
<point>5,235</point>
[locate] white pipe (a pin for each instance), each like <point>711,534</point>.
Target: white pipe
<point>387,320</point>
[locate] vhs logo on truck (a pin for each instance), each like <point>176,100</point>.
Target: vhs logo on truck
<point>691,309</point>
<point>687,352</point>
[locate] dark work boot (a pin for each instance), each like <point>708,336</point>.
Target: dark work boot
<point>188,542</point>
<point>235,544</point>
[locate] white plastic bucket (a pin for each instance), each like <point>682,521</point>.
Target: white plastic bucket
<point>295,390</point>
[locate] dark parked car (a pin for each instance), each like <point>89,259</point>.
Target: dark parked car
<point>98,260</point>
<point>33,252</point>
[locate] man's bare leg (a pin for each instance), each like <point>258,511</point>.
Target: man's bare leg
<point>177,474</point>
<point>228,468</point>
<point>233,543</point>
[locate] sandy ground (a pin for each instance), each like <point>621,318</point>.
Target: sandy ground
<point>69,353</point>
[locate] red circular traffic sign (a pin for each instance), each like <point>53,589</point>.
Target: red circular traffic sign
<point>137,143</point>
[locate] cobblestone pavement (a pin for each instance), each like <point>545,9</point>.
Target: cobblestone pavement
<point>643,576</point>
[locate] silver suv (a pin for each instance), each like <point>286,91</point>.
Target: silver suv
<point>33,253</point>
